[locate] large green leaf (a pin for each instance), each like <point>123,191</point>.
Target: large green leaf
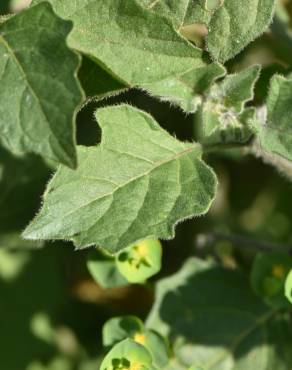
<point>216,322</point>
<point>275,133</point>
<point>106,31</point>
<point>39,90</point>
<point>137,184</point>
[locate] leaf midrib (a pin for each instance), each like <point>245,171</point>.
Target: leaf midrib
<point>157,164</point>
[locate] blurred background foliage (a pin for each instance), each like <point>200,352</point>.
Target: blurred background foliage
<point>51,311</point>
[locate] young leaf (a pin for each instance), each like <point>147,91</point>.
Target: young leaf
<point>275,134</point>
<point>119,328</point>
<point>223,117</point>
<point>103,269</point>
<point>137,184</point>
<point>186,90</point>
<point>140,261</point>
<point>106,31</point>
<point>217,322</point>
<point>39,90</point>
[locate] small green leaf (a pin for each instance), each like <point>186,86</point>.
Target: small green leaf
<point>140,261</point>
<point>224,118</point>
<point>154,53</point>
<point>236,89</point>
<point>288,286</point>
<point>137,184</point>
<point>103,269</point>
<point>275,134</point>
<point>127,355</point>
<point>119,328</point>
<point>39,90</point>
<point>268,276</point>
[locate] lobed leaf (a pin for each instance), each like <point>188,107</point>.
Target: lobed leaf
<point>39,90</point>
<point>137,184</point>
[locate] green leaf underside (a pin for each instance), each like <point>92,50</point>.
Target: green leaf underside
<point>232,24</point>
<point>217,323</point>
<point>224,118</point>
<point>137,184</point>
<point>39,92</point>
<point>275,135</point>
<point>106,31</point>
<point>185,91</point>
